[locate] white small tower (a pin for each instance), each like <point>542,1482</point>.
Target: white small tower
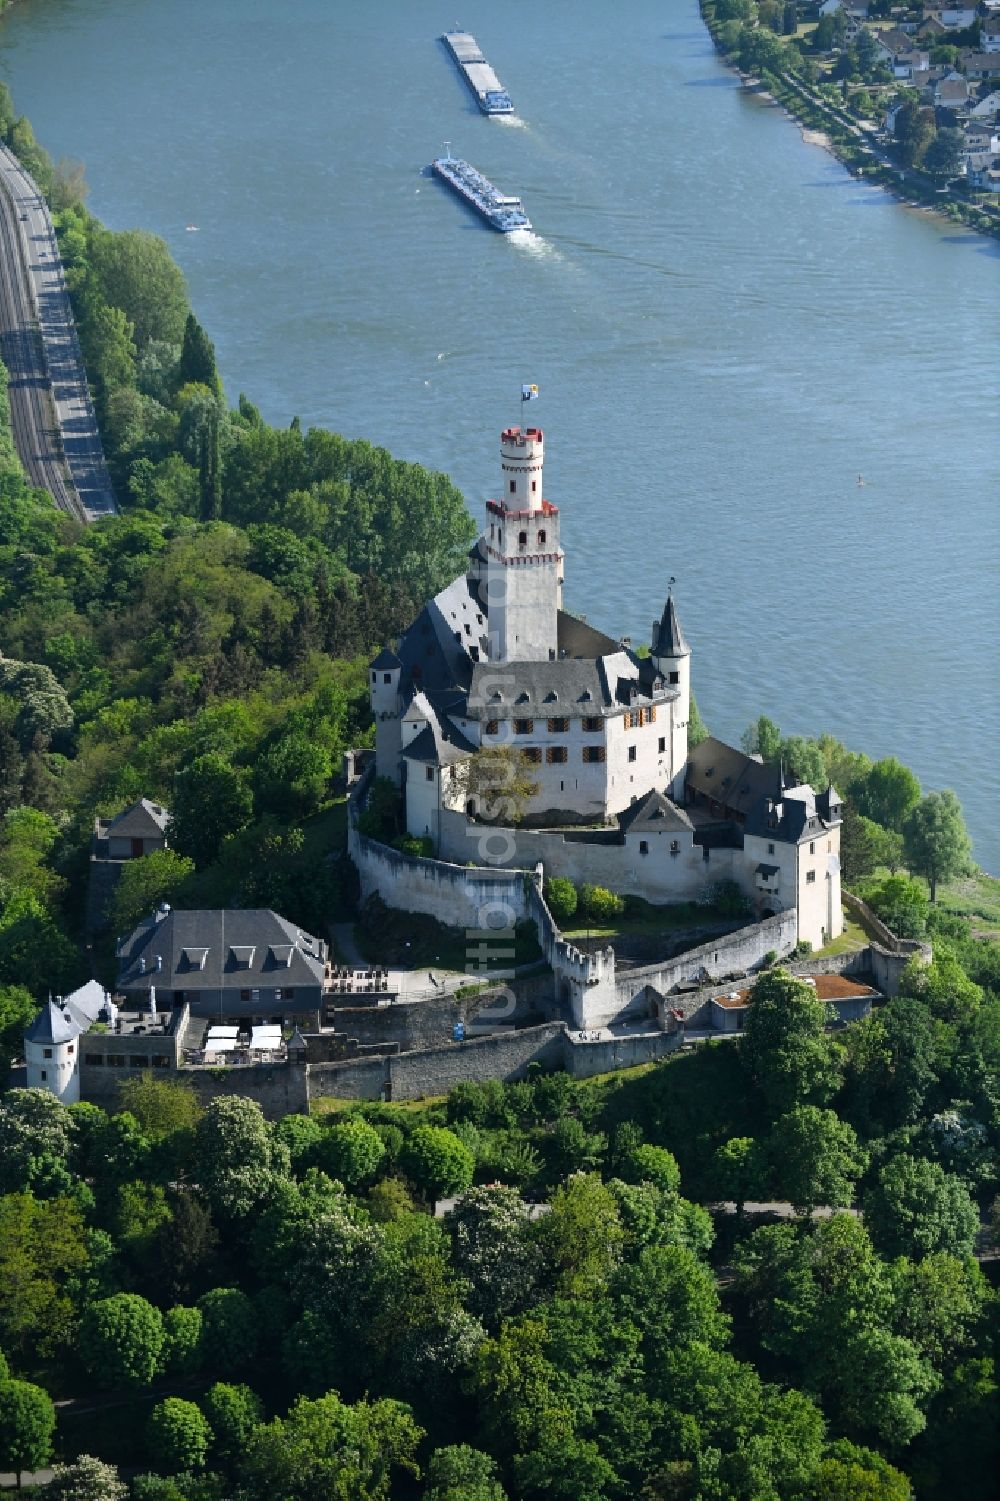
<point>672,657</point>
<point>524,572</point>
<point>384,676</point>
<point>52,1054</point>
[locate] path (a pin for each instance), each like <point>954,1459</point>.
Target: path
<point>52,416</point>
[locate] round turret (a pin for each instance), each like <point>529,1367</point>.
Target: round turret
<point>522,454</point>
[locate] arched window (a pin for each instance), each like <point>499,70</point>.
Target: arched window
<point>522,539</point>
<point>541,538</point>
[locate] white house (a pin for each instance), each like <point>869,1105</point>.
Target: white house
<point>989,34</point>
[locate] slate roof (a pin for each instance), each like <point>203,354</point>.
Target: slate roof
<point>670,640</point>
<point>654,814</point>
<point>730,776</point>
<point>208,949</point>
<point>439,743</point>
<point>385,660</point>
<point>142,820</point>
<point>51,1026</point>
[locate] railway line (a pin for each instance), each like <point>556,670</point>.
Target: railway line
<point>52,416</point>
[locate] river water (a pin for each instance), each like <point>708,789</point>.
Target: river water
<point>726,328</point>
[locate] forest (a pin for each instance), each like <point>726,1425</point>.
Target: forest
<point>228,1309</point>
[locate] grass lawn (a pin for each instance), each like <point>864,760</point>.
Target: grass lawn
<point>851,939</point>
<point>408,940</point>
<point>977,899</point>
<point>646,920</point>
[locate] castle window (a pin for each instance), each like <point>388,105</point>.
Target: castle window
<point>522,539</point>
<point>44,1073</point>
<point>705,852</point>
<point>674,677</point>
<point>513,487</point>
<point>644,846</point>
<point>95,1060</point>
<point>632,719</point>
<point>810,877</point>
<point>556,755</point>
<point>429,773</point>
<point>675,846</point>
<point>593,726</point>
<point>593,753</point>
<point>491,727</point>
<point>374,677</point>
<point>661,744</point>
<point>533,755</point>
<point>524,726</point>
<point>387,677</point>
<point>534,486</point>
<point>541,534</point>
<point>558,726</point>
<point>46,1052</point>
<point>244,995</point>
<point>812,846</point>
<point>770,849</point>
<point>631,752</point>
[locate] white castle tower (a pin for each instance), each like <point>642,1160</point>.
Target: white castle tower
<point>672,658</point>
<point>524,572</point>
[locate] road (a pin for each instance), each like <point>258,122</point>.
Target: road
<point>52,416</point>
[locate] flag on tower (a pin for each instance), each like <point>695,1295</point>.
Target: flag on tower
<point>529,393</point>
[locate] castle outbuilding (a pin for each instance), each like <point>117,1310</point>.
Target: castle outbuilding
<point>495,660</point>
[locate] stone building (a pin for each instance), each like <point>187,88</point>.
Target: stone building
<point>495,660</point>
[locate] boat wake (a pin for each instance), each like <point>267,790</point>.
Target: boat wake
<point>533,244</point>
<point>513,122</point>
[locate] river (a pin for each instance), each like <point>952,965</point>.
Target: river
<point>726,328</point>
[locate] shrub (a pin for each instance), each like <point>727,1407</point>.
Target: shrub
<point>178,1435</point>
<point>727,898</point>
<point>600,904</point>
<point>561,897</point>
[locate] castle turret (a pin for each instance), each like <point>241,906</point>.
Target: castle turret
<point>672,657</point>
<point>524,572</point>
<point>384,679</point>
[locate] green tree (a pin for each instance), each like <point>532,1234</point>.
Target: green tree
<point>137,273</point>
<point>436,1161</point>
<point>34,1141</point>
<point>178,1435</point>
<point>121,1340</point>
<point>17,1009</point>
<point>212,799</point>
<point>890,1066</point>
<point>86,1479</point>
<point>499,780</point>
<point>939,1305</point>
<point>461,1473</point>
<point>581,1237</point>
<point>901,903</point>
<point>144,884</point>
<point>493,1249</point>
<point>561,898</point>
<point>327,1448</point>
<point>943,156</point>
<point>351,1152</point>
<point>783,1045</point>
<point>233,1413</point>
<point>197,363</point>
<point>886,793</point>
<point>738,1172</point>
<point>815,1158</point>
<point>234,1158</point>
<point>229,1330</point>
<point>936,840</point>
<point>43,1250</point>
<point>160,1106</point>
<point>649,1164</point>
<point>182,1340</point>
<point>27,1424</point>
<point>915,1208</point>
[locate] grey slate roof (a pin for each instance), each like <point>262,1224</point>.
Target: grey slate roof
<point>208,950</point>
<point>654,814</point>
<point>51,1026</point>
<point>670,640</point>
<point>730,776</point>
<point>141,820</point>
<point>385,660</point>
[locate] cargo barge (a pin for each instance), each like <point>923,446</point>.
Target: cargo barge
<point>491,96</point>
<point>501,211</point>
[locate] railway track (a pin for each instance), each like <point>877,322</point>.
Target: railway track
<point>52,417</point>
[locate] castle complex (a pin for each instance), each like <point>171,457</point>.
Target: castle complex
<point>619,799</point>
